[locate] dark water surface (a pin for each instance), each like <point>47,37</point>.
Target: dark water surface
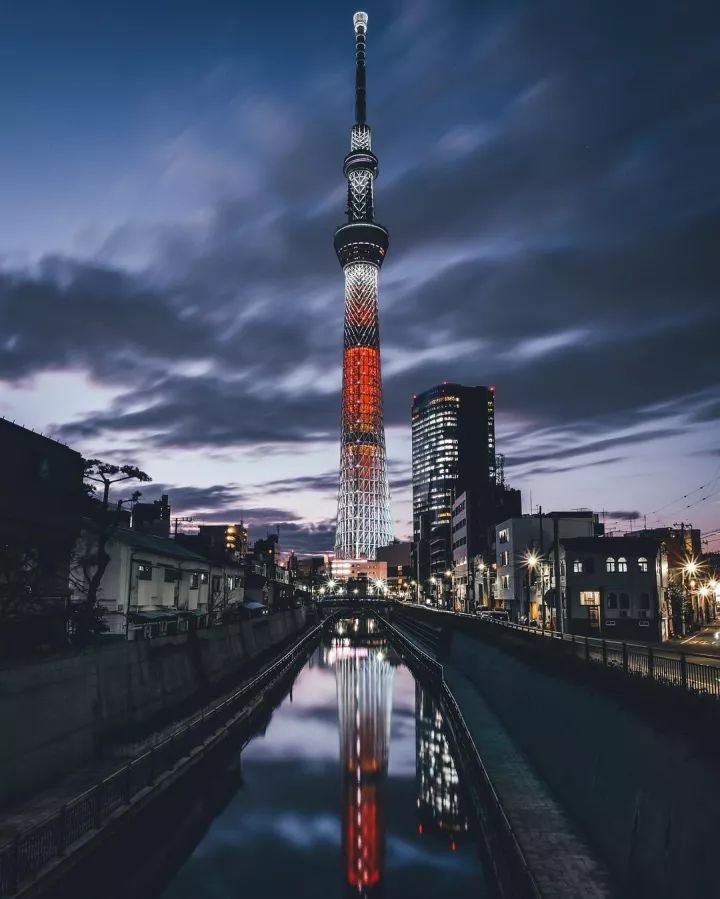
<point>351,791</point>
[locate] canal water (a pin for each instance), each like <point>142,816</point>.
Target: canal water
<point>350,791</point>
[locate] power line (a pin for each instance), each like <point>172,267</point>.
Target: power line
<point>686,495</point>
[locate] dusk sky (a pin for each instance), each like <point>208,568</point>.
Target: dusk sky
<point>169,293</point>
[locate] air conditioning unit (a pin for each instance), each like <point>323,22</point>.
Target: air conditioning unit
<point>610,622</point>
<point>644,622</point>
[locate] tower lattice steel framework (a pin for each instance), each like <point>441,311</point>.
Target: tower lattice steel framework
<point>363,519</point>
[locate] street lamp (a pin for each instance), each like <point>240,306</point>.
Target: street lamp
<point>690,567</point>
<point>433,581</point>
<point>447,591</point>
<point>532,561</point>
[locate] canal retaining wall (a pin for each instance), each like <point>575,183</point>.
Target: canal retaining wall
<point>646,796</point>
<point>55,715</point>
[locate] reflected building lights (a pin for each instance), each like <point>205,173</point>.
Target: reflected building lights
<point>364,678</point>
<point>439,805</point>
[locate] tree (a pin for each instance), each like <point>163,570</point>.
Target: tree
<point>675,596</point>
<point>92,558</point>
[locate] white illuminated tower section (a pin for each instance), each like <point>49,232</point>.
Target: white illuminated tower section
<point>363,519</point>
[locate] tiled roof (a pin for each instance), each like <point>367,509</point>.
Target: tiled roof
<point>152,543</point>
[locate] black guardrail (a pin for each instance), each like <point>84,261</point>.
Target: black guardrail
<point>52,838</point>
<point>664,666</point>
<point>512,874</point>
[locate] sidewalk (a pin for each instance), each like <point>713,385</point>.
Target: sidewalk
<point>563,864</point>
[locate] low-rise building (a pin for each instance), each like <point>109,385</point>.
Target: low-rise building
<point>524,554</point>
<point>616,587</point>
<point>41,504</point>
<point>154,585</point>
<point>352,569</point>
<point>398,558</point>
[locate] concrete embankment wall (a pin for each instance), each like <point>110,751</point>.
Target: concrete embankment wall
<point>54,715</point>
<point>644,794</point>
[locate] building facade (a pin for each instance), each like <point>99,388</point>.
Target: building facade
<point>42,501</point>
<point>153,584</point>
<point>616,588</point>
<point>398,558</point>
<point>473,547</point>
<point>459,493</point>
<point>355,569</point>
<point>453,449</point>
<point>526,560</point>
<point>363,517</point>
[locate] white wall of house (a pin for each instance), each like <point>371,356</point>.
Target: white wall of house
<point>514,538</point>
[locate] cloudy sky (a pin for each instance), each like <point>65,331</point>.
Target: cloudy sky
<point>169,295</point>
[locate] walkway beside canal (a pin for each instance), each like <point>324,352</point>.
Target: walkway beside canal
<point>560,859</point>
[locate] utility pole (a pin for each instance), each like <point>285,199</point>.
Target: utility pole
<point>176,521</point>
<point>558,586</point>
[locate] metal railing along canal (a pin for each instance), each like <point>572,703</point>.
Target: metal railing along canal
<point>34,848</point>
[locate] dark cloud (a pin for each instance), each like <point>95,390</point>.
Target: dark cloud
<point>595,446</point>
<point>562,469</point>
<point>553,233</point>
<point>624,515</point>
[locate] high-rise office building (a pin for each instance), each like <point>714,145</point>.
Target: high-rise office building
<point>363,516</point>
<point>453,450</point>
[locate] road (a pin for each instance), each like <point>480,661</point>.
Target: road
<point>705,641</point>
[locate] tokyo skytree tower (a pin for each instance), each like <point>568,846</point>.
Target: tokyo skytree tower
<point>363,518</point>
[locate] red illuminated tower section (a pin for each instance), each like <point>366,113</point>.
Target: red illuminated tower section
<point>363,519</point>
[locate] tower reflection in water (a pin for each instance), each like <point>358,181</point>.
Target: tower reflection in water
<point>364,676</point>
<point>440,809</point>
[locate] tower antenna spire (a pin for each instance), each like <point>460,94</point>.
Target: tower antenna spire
<point>360,21</point>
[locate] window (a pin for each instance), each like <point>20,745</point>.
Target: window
<point>643,563</point>
<point>505,581</point>
<point>612,601</point>
<point>503,536</point>
<point>504,558</point>
<point>622,564</point>
<point>144,571</point>
<point>624,601</point>
<point>589,566</point>
<point>194,580</point>
<point>171,575</point>
<point>577,566</point>
<point>644,600</point>
<point>203,577</point>
<point>589,598</point>
<point>610,564</point>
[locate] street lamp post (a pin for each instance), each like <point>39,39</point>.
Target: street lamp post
<point>532,560</point>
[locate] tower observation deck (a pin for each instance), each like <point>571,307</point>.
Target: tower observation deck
<point>363,518</point>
